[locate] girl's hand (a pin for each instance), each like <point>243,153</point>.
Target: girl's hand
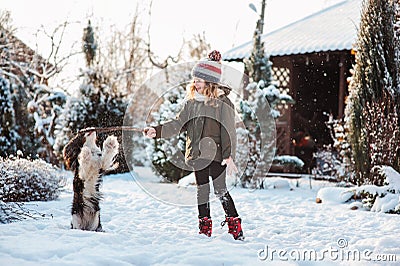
<point>149,132</point>
<point>230,166</point>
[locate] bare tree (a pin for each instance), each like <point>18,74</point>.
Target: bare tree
<point>198,46</point>
<point>123,57</point>
<point>163,64</point>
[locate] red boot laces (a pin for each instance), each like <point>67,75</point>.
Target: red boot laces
<point>205,226</point>
<point>234,227</point>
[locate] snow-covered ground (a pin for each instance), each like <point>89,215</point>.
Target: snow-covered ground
<point>282,225</point>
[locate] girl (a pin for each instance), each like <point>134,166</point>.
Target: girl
<point>208,117</point>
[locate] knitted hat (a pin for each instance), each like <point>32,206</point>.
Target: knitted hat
<point>209,68</point>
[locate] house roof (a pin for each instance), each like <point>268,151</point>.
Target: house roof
<point>333,28</point>
<point>21,53</point>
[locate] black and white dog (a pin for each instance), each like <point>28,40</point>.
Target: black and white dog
<point>89,164</point>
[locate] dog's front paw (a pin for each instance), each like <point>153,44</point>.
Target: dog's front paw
<point>111,144</point>
<point>110,150</point>
<point>85,154</point>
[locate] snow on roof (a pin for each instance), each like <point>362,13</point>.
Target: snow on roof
<point>333,28</point>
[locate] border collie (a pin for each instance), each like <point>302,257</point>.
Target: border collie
<point>89,164</point>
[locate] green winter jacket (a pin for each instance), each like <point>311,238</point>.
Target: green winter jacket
<point>211,132</point>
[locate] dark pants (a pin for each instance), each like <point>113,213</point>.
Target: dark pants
<point>218,175</point>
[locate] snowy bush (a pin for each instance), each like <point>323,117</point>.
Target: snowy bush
<point>289,160</point>
<point>372,104</point>
<point>16,211</point>
<point>23,180</point>
<point>335,159</point>
<point>45,108</point>
<point>383,136</point>
<point>384,198</point>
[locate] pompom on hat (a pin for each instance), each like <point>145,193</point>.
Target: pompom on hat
<point>209,69</point>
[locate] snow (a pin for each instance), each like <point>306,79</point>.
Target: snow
<point>392,178</point>
<point>371,189</point>
<point>385,200</point>
<point>386,203</point>
<point>289,159</point>
<point>334,194</point>
<point>187,181</point>
<point>277,183</point>
<point>141,230</point>
<point>190,180</point>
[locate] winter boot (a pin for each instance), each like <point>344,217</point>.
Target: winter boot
<point>205,226</point>
<point>234,227</point>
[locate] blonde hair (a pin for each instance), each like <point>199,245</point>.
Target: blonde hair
<point>210,91</point>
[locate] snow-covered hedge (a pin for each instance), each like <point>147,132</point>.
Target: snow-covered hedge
<point>23,180</point>
<point>295,161</point>
<point>384,198</point>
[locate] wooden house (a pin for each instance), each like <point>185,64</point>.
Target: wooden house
<point>311,60</point>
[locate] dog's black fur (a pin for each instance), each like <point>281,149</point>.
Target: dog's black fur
<point>89,164</point>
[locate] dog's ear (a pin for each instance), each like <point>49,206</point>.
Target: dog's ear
<point>72,150</point>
